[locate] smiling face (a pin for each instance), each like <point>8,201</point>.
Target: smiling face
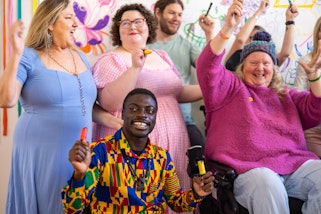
<point>171,18</point>
<point>133,34</point>
<point>139,115</point>
<point>258,69</point>
<point>64,27</point>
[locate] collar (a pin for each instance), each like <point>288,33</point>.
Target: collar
<point>119,142</point>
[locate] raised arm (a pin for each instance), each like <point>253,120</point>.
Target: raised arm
<point>245,32</point>
<point>288,39</point>
<point>301,82</point>
<point>207,24</point>
<point>10,87</point>
<point>232,19</point>
<point>313,71</point>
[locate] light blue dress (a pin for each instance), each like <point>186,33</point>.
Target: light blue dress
<point>45,132</point>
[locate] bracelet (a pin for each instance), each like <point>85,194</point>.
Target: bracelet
<point>289,23</point>
<point>223,36</point>
<point>196,196</point>
<point>316,79</point>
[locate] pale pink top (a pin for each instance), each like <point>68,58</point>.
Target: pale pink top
<point>170,130</point>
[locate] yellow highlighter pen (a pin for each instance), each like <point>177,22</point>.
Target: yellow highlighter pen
<point>147,51</point>
<point>201,167</point>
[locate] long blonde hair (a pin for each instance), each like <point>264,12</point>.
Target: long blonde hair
<point>46,14</point>
<point>316,31</point>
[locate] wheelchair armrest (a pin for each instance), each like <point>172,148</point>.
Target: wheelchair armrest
<point>224,175</point>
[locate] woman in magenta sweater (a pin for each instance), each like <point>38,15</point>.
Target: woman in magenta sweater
<point>255,123</point>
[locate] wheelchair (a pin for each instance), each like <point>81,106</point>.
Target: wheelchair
<point>223,182</point>
<point>225,202</point>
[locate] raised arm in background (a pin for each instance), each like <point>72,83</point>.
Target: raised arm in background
<point>288,40</point>
<point>246,32</point>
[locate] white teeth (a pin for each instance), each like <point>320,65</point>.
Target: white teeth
<point>259,75</point>
<point>140,124</point>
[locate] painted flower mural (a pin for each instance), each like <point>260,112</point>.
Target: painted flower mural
<point>93,16</point>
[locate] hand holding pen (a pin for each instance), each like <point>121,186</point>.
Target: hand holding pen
<point>83,134</point>
<point>207,12</point>
<point>292,12</point>
<point>79,156</point>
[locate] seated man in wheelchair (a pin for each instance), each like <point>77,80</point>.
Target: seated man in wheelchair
<point>255,123</point>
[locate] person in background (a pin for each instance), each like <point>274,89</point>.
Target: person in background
<point>126,172</point>
<point>247,32</point>
<point>255,123</point>
<point>301,82</point>
<point>54,84</point>
<point>182,52</point>
<point>127,67</point>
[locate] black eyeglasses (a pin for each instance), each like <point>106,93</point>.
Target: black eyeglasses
<point>127,23</point>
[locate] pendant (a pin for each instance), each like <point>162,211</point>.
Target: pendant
<point>140,184</point>
<point>251,99</point>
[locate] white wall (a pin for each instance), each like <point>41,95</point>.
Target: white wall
<point>5,156</point>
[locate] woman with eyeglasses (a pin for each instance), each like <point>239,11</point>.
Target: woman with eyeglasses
<point>127,67</point>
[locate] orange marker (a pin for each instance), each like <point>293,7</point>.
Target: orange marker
<point>201,167</point>
<point>83,134</point>
<point>147,51</point>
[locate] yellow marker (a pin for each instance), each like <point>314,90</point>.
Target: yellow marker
<point>147,51</point>
<point>201,167</point>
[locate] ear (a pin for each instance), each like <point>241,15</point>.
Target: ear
<point>157,12</point>
<point>50,28</point>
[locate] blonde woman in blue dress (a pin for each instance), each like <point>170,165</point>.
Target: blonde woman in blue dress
<point>54,84</point>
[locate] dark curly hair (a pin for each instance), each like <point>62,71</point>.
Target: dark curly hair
<point>148,15</point>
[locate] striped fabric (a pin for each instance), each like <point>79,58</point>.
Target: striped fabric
<point>110,184</point>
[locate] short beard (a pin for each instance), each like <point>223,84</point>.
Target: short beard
<point>165,29</point>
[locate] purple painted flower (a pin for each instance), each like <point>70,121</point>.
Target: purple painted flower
<point>93,16</point>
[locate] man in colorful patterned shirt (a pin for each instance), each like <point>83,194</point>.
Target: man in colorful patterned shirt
<point>126,173</point>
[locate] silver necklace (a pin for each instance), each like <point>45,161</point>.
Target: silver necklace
<point>82,99</point>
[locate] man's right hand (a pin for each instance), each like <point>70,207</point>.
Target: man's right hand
<point>79,156</point>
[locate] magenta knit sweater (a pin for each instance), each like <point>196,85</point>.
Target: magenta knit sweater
<point>249,126</point>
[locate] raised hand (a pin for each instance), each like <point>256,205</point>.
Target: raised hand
<point>138,58</point>
<point>313,67</point>
<point>264,5</point>
<point>234,14</point>
<point>16,37</point>
<point>207,24</point>
<point>79,156</point>
<point>291,13</point>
